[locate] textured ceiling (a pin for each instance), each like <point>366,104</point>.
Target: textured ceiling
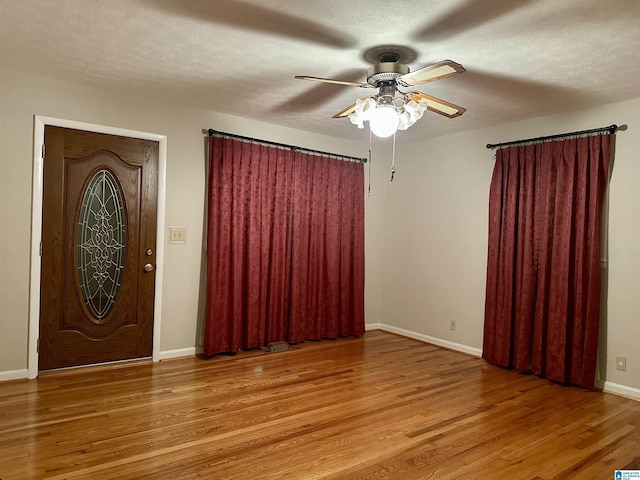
<point>524,58</point>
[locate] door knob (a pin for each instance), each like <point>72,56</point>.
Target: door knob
<point>148,267</point>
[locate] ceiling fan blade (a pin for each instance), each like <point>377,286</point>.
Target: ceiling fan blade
<point>437,105</point>
<point>345,112</point>
<point>316,93</point>
<point>335,82</point>
<point>431,73</point>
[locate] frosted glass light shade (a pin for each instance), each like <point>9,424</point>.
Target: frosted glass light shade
<point>384,121</point>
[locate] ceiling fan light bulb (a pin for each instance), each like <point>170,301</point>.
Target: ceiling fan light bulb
<point>384,121</point>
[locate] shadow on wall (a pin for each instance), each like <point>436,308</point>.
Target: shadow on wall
<point>601,366</point>
<point>202,294</point>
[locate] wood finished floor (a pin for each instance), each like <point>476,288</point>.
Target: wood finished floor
<point>378,407</point>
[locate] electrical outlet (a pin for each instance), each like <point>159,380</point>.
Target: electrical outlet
<point>177,235</point>
<point>452,325</point>
<point>621,363</point>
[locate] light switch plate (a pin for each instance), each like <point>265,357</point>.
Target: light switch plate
<point>177,235</point>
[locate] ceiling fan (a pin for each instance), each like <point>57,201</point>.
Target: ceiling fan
<point>399,108</point>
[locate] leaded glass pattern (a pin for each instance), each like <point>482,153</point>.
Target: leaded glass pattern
<point>101,244</point>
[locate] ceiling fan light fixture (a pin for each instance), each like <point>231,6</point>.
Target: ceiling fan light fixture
<point>385,116</point>
<point>362,111</point>
<point>384,121</point>
<point>412,112</point>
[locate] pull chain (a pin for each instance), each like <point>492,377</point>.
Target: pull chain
<point>393,158</point>
<point>369,189</point>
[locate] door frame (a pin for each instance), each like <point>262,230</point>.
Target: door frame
<point>36,225</point>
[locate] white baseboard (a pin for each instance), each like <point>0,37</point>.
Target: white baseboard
<point>181,352</point>
<point>622,390</point>
<point>14,375</point>
<point>476,352</point>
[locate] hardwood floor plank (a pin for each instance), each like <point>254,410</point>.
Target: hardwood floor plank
<point>377,407</point>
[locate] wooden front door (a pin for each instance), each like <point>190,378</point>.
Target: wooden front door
<point>98,248</point>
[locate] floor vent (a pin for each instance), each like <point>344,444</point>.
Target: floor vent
<point>278,347</point>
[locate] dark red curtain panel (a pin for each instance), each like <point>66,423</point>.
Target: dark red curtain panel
<point>327,281</point>
<point>277,221</point>
<point>248,245</point>
<point>542,308</point>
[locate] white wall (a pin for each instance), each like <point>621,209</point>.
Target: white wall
<point>435,242</point>
<point>436,238</point>
<point>23,96</point>
<point>425,232</point>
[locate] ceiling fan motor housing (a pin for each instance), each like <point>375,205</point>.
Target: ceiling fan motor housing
<point>384,72</point>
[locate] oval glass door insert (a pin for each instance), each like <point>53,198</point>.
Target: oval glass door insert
<point>101,245</point>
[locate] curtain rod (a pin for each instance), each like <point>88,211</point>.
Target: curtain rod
<point>611,129</point>
<point>213,133</point>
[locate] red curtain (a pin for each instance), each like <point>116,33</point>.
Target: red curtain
<point>285,247</point>
<point>542,308</point>
<point>327,282</point>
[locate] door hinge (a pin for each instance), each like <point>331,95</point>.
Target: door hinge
<point>40,248</point>
<point>43,149</point>
<point>38,346</point>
